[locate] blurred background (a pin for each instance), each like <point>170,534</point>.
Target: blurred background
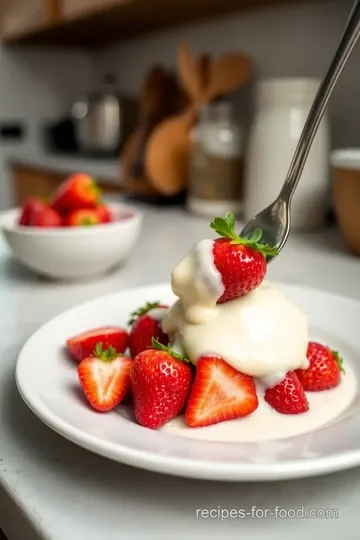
<point>196,103</point>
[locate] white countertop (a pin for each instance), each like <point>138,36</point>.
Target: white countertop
<point>50,489</point>
<point>105,168</point>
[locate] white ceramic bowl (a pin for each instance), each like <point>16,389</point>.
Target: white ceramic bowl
<point>73,253</point>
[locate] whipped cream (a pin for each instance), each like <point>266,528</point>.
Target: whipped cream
<point>262,334</point>
<point>197,282</point>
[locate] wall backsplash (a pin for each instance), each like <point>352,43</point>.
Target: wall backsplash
<point>296,40</point>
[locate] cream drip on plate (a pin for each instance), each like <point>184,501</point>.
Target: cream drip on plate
<point>262,334</point>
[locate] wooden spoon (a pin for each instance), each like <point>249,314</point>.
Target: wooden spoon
<point>227,73</point>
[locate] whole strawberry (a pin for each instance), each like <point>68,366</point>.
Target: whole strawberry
<point>145,325</point>
<point>324,371</point>
<point>240,261</point>
<point>160,383</point>
<point>288,397</point>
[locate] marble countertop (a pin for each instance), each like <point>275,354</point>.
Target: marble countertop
<point>52,490</point>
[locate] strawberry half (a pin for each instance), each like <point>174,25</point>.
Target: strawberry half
<point>219,393</point>
<point>288,397</point>
<point>104,213</point>
<point>105,378</point>
<point>82,218</point>
<point>79,191</point>
<point>83,345</point>
<point>240,261</point>
<point>146,325</point>
<point>324,371</point>
<point>160,383</point>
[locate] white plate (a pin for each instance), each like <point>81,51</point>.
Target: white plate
<point>47,381</point>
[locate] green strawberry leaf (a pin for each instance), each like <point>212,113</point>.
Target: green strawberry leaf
<point>225,227</point>
<point>339,361</point>
<point>134,316</point>
<point>106,355</point>
<point>167,348</point>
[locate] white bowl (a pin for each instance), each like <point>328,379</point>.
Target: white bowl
<point>73,253</point>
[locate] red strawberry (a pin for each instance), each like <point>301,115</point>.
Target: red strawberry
<point>219,393</point>
<point>105,378</point>
<point>34,204</point>
<point>288,397</point>
<point>160,383</point>
<point>324,371</point>
<point>77,192</point>
<point>240,261</point>
<point>44,217</point>
<point>82,218</point>
<point>104,213</point>
<point>83,345</point>
<point>145,326</point>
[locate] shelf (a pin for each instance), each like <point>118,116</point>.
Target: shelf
<point>125,19</point>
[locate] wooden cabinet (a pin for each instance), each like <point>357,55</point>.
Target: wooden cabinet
<point>19,17</point>
<point>31,181</point>
<point>73,9</point>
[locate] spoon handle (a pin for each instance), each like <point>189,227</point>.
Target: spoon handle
<point>343,52</point>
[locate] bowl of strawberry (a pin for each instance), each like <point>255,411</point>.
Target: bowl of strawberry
<point>73,235</point>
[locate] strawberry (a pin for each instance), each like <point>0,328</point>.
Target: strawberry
<point>82,345</point>
<point>79,191</point>
<point>324,371</point>
<point>240,261</point>
<point>105,378</point>
<point>219,393</point>
<point>44,217</point>
<point>160,383</point>
<point>33,204</point>
<point>287,397</point>
<point>82,218</point>
<point>145,325</point>
<point>104,213</point>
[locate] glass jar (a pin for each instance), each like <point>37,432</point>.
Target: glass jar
<point>216,163</point>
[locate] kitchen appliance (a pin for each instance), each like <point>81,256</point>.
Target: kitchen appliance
<point>103,120</point>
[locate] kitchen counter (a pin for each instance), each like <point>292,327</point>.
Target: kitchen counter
<point>105,168</point>
<point>52,490</point>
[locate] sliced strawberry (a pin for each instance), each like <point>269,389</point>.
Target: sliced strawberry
<point>105,378</point>
<point>160,382</point>
<point>219,393</point>
<point>287,397</point>
<point>324,371</point>
<point>104,213</point>
<point>83,345</point>
<point>82,218</point>
<point>146,325</point>
<point>79,191</point>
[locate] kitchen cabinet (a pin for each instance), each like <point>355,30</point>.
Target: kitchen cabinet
<point>34,181</point>
<point>72,9</point>
<point>19,17</point>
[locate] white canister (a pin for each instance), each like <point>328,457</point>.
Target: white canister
<point>282,109</point>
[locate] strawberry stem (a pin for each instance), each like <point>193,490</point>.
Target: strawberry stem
<point>166,348</point>
<point>106,355</point>
<point>225,227</point>
<point>339,361</point>
<point>142,311</point>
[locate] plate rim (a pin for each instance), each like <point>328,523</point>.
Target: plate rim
<point>180,466</point>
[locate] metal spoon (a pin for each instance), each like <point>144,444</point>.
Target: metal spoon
<point>275,220</point>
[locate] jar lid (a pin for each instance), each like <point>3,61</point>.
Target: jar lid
<point>284,89</point>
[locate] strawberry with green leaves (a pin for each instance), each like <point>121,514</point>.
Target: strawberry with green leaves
<point>240,261</point>
<point>160,383</point>
<point>324,371</point>
<point>105,378</point>
<point>145,325</point>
